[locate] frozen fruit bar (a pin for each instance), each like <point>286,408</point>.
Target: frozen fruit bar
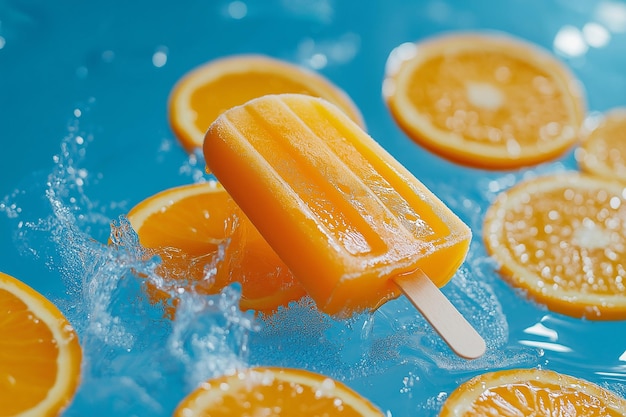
<point>341,212</point>
<point>351,223</point>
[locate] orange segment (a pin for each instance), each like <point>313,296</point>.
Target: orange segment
<point>268,391</point>
<point>40,355</point>
<point>531,392</point>
<point>187,225</point>
<point>487,101</point>
<point>603,149</point>
<point>561,238</point>
<point>205,92</point>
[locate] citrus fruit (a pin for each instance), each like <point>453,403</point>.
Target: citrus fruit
<point>531,392</point>
<point>485,100</point>
<point>560,237</point>
<point>603,149</point>
<point>206,91</point>
<point>189,226</point>
<point>267,391</point>
<point>40,355</point>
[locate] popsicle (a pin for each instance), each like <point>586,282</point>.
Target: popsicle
<point>354,226</point>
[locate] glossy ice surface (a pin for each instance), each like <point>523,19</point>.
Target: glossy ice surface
<point>84,133</point>
<point>345,216</point>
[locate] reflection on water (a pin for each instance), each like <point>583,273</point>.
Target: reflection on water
<point>138,361</point>
<point>67,217</point>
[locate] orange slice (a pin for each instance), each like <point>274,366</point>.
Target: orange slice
<point>603,149</point>
<point>561,238</point>
<point>205,92</point>
<point>40,355</point>
<point>531,392</point>
<point>268,391</point>
<point>187,225</point>
<point>484,100</point>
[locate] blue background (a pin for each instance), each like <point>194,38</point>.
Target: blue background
<point>75,68</point>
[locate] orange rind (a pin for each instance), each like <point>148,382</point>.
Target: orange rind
<point>531,392</point>
<point>561,239</point>
<point>485,100</point>
<point>196,225</point>
<point>40,355</point>
<point>268,391</point>
<point>603,149</point>
<point>206,91</point>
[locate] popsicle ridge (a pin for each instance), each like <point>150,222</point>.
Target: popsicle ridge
<point>390,184</point>
<point>271,194</point>
<point>353,215</point>
<point>313,197</point>
<point>336,207</point>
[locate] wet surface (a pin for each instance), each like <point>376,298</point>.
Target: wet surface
<point>83,93</point>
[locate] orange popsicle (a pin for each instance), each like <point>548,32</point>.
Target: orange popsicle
<point>352,224</point>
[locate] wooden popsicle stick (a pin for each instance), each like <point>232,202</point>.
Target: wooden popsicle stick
<point>453,328</point>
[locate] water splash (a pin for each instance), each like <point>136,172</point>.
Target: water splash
<point>207,336</point>
<point>133,351</point>
<point>140,359</point>
<point>194,167</point>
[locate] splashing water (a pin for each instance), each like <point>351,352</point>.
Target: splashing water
<point>141,359</point>
<point>137,361</point>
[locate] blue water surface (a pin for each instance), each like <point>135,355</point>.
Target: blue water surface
<point>84,133</point>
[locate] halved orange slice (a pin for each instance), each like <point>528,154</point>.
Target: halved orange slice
<point>603,149</point>
<point>188,226</point>
<point>205,92</point>
<point>484,100</point>
<point>531,392</point>
<point>40,355</point>
<point>268,391</point>
<point>561,238</point>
